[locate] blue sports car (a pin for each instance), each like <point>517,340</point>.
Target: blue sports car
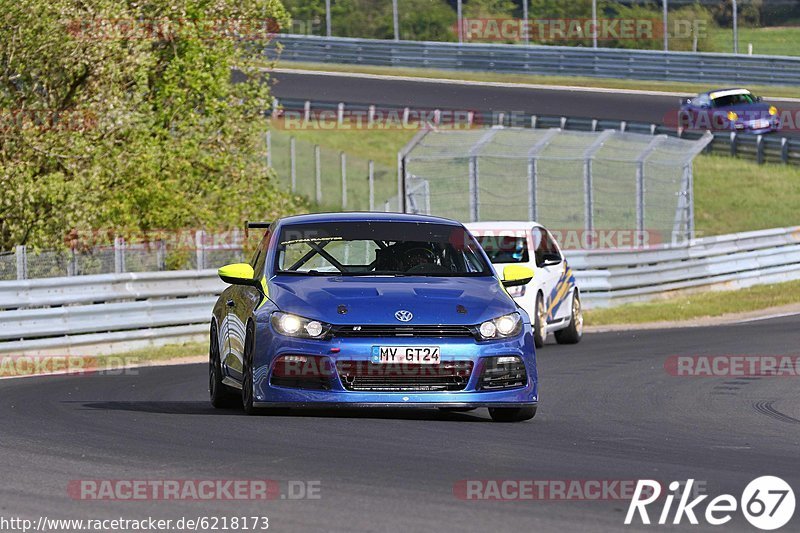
<point>372,309</point>
<point>728,109</point>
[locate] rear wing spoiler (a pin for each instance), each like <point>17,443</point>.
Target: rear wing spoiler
<point>254,225</point>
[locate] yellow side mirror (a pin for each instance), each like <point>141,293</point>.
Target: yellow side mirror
<point>238,274</point>
<point>516,275</point>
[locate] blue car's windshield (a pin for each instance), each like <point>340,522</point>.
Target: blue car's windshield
<point>379,249</point>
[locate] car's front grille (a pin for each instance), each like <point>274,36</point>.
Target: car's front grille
<point>403,331</point>
<point>367,376</point>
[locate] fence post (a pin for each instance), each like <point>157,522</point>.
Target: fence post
<point>199,249</point>
<point>639,201</point>
<point>733,144</point>
<point>72,266</point>
<point>269,148</point>
<point>784,150</point>
<point>371,178</point>
<point>317,175</point>
<point>21,255</point>
<point>532,186</point>
<point>343,158</point>
<point>760,149</point>
<point>119,255</point>
<point>292,163</point>
<point>161,255</point>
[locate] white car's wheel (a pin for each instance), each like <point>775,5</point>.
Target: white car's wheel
<point>539,322</point>
<point>572,334</point>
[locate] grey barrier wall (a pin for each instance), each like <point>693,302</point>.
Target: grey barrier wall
<point>546,60</point>
<point>114,312</point>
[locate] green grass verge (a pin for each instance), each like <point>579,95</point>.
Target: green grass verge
<point>161,353</point>
<point>733,195</point>
<point>779,40</point>
<point>775,91</point>
<point>705,304</point>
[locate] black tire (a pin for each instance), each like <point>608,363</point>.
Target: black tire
<point>247,373</point>
<point>512,414</point>
<point>572,334</point>
<point>539,322</point>
<point>221,395</point>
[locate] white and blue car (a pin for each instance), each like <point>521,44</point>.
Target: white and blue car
<point>551,297</point>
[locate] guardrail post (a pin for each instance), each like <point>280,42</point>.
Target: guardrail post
<point>653,129</point>
<point>639,201</point>
<point>733,143</point>
<point>563,123</point>
<point>594,124</point>
<point>473,188</point>
<point>119,255</point>
<point>340,114</point>
<point>587,195</point>
<point>275,105</point>
<point>501,117</point>
<point>623,125</point>
<point>371,182</point>
<point>317,175</point>
<point>760,149</point>
<point>21,255</point>
<point>406,112</point>
<point>307,111</point>
<point>292,164</point>
<point>784,150</point>
<point>371,116</point>
<point>343,158</point>
<point>534,120</point>
<point>200,249</point>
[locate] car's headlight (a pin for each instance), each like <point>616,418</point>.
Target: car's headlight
<point>732,115</point>
<point>501,327</point>
<point>773,110</point>
<point>297,326</point>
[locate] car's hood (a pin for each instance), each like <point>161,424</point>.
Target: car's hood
<point>375,300</point>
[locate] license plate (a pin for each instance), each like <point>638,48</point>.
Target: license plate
<point>425,355</point>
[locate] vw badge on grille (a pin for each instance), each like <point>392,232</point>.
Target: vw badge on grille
<point>403,316</point>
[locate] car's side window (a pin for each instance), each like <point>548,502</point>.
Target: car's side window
<point>703,100</point>
<point>545,246</point>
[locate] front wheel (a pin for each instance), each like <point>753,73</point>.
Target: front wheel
<point>512,414</point>
<point>539,322</point>
<point>572,334</point>
<point>247,374</point>
<point>220,394</point>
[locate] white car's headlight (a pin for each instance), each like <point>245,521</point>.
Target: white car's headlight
<point>501,327</point>
<point>297,326</point>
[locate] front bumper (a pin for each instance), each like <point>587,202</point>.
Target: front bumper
<point>270,346</point>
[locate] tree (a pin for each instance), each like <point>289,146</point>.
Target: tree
<point>123,115</point>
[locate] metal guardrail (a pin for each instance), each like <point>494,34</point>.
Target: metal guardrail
<point>546,60</point>
<point>730,261</point>
<point>759,148</point>
<point>73,315</point>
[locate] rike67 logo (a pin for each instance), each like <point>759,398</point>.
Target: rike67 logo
<point>767,503</point>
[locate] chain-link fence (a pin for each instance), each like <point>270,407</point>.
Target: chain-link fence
<point>566,180</point>
<point>182,250</point>
<point>332,180</point>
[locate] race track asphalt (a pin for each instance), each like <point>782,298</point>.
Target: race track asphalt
<point>647,108</point>
<point>609,411</point>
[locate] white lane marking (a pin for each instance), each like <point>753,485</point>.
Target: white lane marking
<point>769,317</point>
<point>446,81</point>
